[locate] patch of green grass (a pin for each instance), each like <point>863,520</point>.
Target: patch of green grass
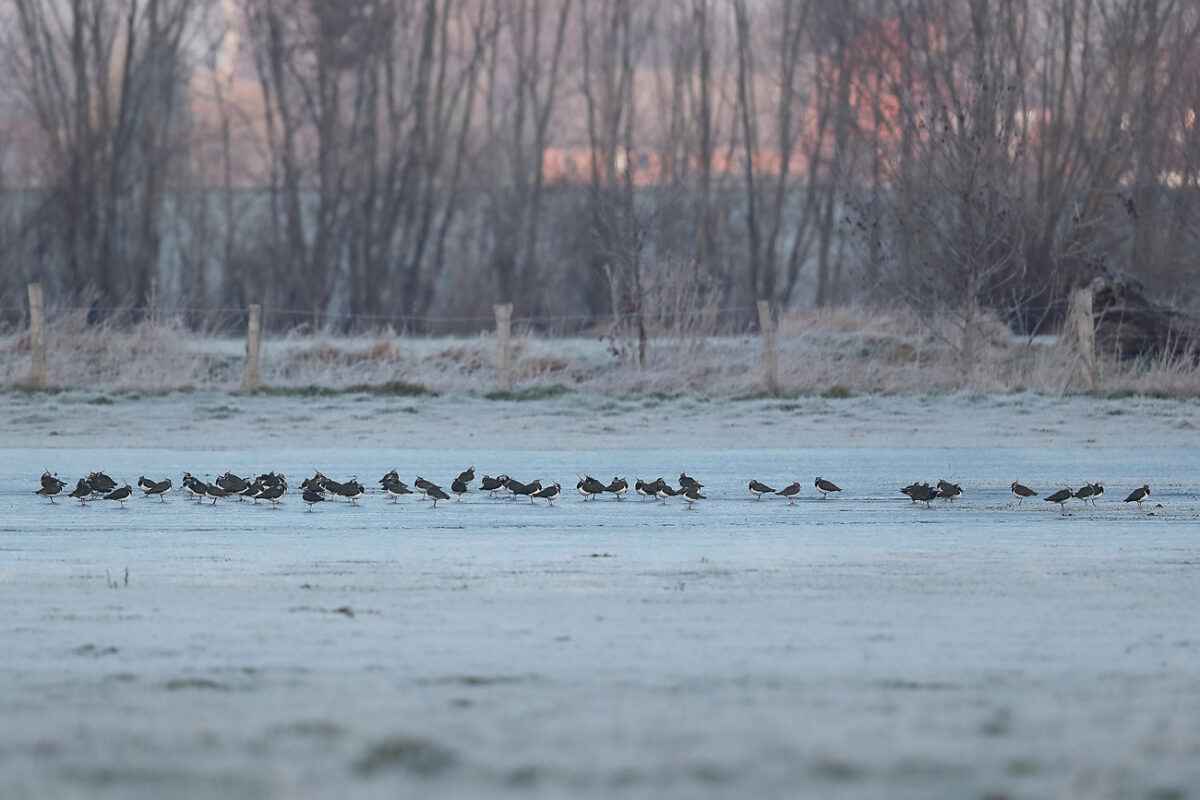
<point>406,754</point>
<point>26,389</point>
<point>389,389</point>
<point>532,393</point>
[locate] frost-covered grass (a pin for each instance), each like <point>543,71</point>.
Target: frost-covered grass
<point>838,352</point>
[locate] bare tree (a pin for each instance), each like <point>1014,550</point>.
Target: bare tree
<point>105,82</point>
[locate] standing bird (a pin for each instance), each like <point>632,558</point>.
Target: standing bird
<point>120,495</point>
<point>396,489</point>
<point>214,492</point>
<point>825,487</point>
<point>691,494</point>
<point>524,489</point>
<point>312,497</point>
<point>790,492</point>
<point>924,493</point>
<point>459,487</point>
<point>1138,495</point>
<point>549,494</point>
<point>158,488</point>
<point>145,484</point>
<point>685,482</point>
<point>423,486</point>
<point>232,484</point>
<point>1021,492</point>
<point>435,493</point>
<point>618,487</point>
<point>949,491</point>
<point>272,493</point>
<point>467,475</point>
<point>759,489</point>
<point>589,487</point>
<point>351,490</point>
<point>492,485</point>
<point>391,477</point>
<point>1097,492</point>
<point>643,488</point>
<point>51,486</point>
<point>663,490</point>
<point>101,483</point>
<point>1061,497</point>
<point>1085,492</point>
<point>82,491</point>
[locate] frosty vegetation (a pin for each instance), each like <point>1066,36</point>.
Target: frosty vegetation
<point>837,352</point>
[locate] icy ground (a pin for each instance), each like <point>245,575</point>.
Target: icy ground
<point>859,646</point>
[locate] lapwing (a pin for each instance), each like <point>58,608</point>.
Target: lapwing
<point>121,495</point>
<point>663,490</point>
<point>1061,497</point>
<point>466,476</point>
<point>618,487</point>
<point>685,482</point>
<point>331,486</point>
<point>312,497</point>
<point>191,485</point>
<point>391,477</point>
<point>82,491</point>
<point>50,490</point>
<point>272,493</point>
<point>272,479</point>
<point>492,485</point>
<point>214,492</point>
<point>233,484</point>
<point>1021,492</point>
<point>758,489</point>
<point>1138,495</point>
<point>423,486</point>
<point>949,491</point>
<point>911,490</point>
<point>194,486</point>
<point>51,485</point>
<point>459,487</point>
<point>643,488</point>
<point>101,483</point>
<point>1085,492</point>
<point>1097,492</point>
<point>435,493</point>
<point>524,489</point>
<point>589,487</point>
<point>691,493</point>
<point>352,490</point>
<point>825,487</point>
<point>158,488</point>
<point>791,491</point>
<point>52,480</point>
<point>396,489</point>
<point>549,494</point>
<point>145,484</point>
<point>924,493</point>
<point>317,482</point>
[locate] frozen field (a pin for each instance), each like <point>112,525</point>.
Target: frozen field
<point>855,647</point>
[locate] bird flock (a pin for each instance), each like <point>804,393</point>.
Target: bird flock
<point>271,487</point>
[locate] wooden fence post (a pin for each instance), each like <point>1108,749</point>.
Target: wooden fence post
<point>504,381</point>
<point>253,339</point>
<point>770,360</point>
<point>37,337</point>
<point>1085,332</point>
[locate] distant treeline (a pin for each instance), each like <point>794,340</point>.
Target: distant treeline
<point>416,161</point>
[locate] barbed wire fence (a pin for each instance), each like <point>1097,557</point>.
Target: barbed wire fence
<point>255,321</point>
